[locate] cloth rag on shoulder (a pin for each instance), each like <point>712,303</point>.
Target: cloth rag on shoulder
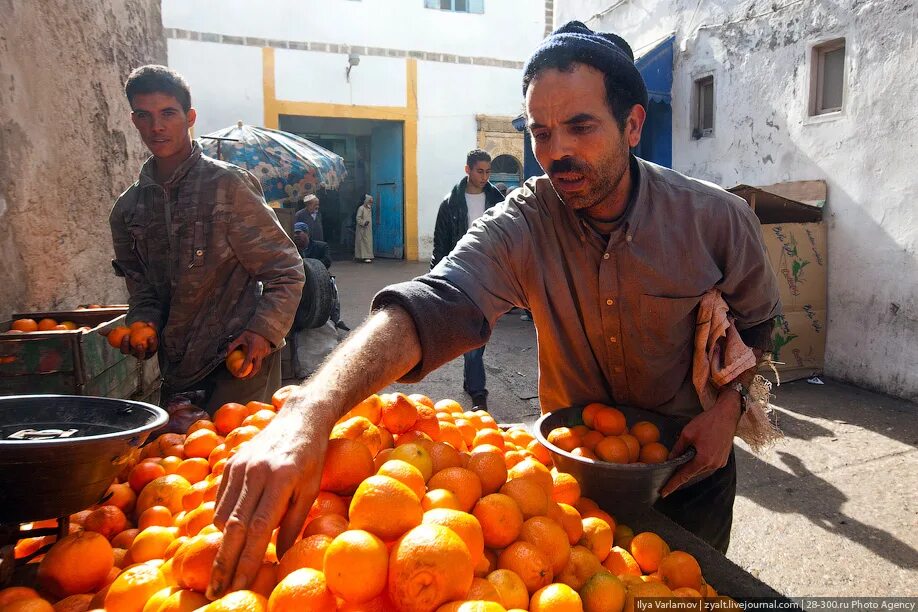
<point>720,356</point>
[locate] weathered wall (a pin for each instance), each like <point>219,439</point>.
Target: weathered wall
<point>67,146</point>
<point>760,61</point>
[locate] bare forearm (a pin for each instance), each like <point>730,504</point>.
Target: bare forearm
<point>374,355</point>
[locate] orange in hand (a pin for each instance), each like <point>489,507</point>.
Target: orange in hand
<point>234,364</point>
<point>116,336</point>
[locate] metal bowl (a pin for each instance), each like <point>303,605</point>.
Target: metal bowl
<point>60,453</point>
<point>616,487</point>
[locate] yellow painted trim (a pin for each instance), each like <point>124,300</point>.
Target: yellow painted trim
<point>408,115</point>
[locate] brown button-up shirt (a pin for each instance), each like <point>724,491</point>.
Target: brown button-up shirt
<point>614,318</point>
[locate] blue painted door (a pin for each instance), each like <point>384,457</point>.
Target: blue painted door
<point>386,178</point>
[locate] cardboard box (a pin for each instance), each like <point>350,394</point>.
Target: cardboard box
<point>795,240</point>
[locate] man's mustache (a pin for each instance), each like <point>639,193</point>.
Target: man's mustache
<point>568,164</point>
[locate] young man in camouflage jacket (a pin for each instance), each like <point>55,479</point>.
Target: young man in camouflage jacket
<point>204,258</point>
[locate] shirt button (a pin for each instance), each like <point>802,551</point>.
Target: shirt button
<point>609,302</point>
<point>628,238</point>
<point>199,252</point>
<point>605,256</point>
<point>613,340</point>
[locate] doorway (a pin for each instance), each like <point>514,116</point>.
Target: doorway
<point>373,153</point>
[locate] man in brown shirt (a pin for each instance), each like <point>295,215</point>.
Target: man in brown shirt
<point>610,253</point>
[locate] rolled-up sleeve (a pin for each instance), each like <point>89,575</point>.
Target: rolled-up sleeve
<point>268,255</point>
<point>456,305</point>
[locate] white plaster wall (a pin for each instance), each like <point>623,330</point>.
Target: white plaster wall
<point>509,29</point>
<point>225,80</point>
<point>449,97</point>
<point>320,77</point>
<point>866,154</point>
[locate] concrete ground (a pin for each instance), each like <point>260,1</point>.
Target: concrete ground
<point>831,510</point>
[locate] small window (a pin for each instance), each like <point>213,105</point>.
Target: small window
<point>457,6</point>
<point>827,86</point>
<point>703,124</point>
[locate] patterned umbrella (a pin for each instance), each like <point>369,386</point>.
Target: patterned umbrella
<point>287,165</point>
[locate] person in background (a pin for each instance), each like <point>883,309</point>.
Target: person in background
<point>194,240</point>
<point>309,248</point>
<point>502,188</point>
<point>464,205</point>
<point>363,243</point>
<point>312,216</point>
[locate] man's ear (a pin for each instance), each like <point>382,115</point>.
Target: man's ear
<point>191,116</point>
<point>468,170</point>
<point>634,124</point>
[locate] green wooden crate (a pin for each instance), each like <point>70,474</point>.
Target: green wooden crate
<point>75,362</point>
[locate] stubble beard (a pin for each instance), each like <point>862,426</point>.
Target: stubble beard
<point>603,181</point>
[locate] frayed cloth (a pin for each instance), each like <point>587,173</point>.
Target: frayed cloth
<point>719,357</point>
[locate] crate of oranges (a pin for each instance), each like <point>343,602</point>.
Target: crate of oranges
<point>68,352</point>
<point>422,507</point>
<point>619,455</point>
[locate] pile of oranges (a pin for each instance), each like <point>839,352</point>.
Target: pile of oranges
<point>422,507</point>
<point>605,436</point>
<point>27,326</point>
<point>141,334</point>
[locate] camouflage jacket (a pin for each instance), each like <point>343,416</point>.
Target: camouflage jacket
<point>204,259</point>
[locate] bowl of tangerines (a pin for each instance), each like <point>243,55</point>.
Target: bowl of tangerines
<point>620,455</point>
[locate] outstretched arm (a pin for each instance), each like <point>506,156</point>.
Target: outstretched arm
<point>273,480</point>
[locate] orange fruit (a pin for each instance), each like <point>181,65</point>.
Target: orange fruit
<point>170,463</point>
<point>16,593</point>
<point>25,325</point>
<point>165,491</point>
<point>416,455</point>
<point>564,438</point>
<point>398,412</point>
<point>279,398</point>
<point>609,421</point>
<point>556,597</point>
<point>648,549</point>
<point>653,452</point>
<point>201,424</point>
<point>198,518</point>
<point>623,536</point>
<point>356,566</point>
<point>634,447</point>
<point>581,566</point>
<point>566,488</point>
<point>193,562</point>
<point>347,464</point>
<point>590,439</point>
<point>195,495</point>
<point>533,470</point>
<point>73,603</point>
<point>597,537</point>
<point>450,434</point>
<point>680,569</point>
<point>405,473</point>
<point>304,589</point>
<point>510,587</point>
<point>308,552</point>
<point>539,452</point>
<point>600,514</point>
<point>360,429</point>
<point>151,543</point>
<point>371,408</point>
<point>116,336</point>
<point>183,601</point>
<point>122,496</point>
<point>586,453</point>
<point>488,436</point>
<point>78,563</point>
<point>527,562</point>
<point>464,524</point>
<point>569,519</point>
<point>255,406</point>
<point>462,482</point>
<point>603,593</point>
<point>200,443</point>
<point>528,495</point>
<point>35,604</point>
<point>155,515</point>
<point>385,507</point>
<point>487,462</point>
<point>141,337</point>
<point>143,473</point>
<point>241,434</point>
<point>326,524</point>
<point>426,421</point>
<point>466,430</point>
<point>239,601</point>
<point>107,521</point>
<point>193,470</point>
<point>125,538</point>
<point>415,436</point>
<point>482,591</point>
<point>448,405</point>
<point>443,456</point>
<point>439,498</point>
<point>47,324</point>
<point>640,590</point>
<point>133,587</point>
<point>589,413</point>
<point>621,563</point>
<point>328,503</point>
<point>472,606</point>
<point>228,417</point>
<point>645,432</point>
<point>550,538</point>
<point>429,566</point>
<point>612,449</point>
<point>259,419</point>
<point>234,361</point>
<point>264,580</point>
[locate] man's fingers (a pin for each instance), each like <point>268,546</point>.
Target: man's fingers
<point>126,344</point>
<point>679,447</point>
<point>682,476</point>
<point>272,505</point>
<point>292,523</point>
<point>229,491</point>
<point>234,536</point>
<point>249,360</point>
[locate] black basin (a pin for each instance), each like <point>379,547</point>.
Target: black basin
<point>620,487</point>
<point>60,453</point>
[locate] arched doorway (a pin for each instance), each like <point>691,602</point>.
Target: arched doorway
<point>507,170</point>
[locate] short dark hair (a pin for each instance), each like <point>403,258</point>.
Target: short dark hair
<point>476,155</point>
<point>153,78</point>
<point>622,93</point>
